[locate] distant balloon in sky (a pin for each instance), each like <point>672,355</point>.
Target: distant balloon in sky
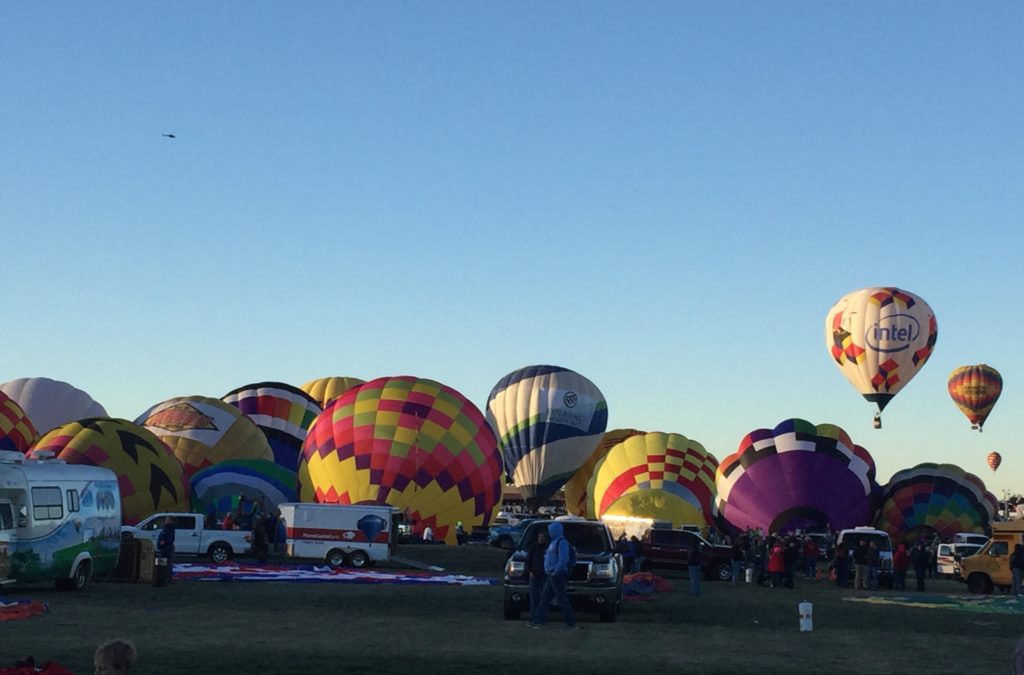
<point>548,421</point>
<point>656,475</point>
<point>880,338</point>
<point>975,390</point>
<point>150,477</point>
<point>797,475</point>
<point>325,389</point>
<point>17,433</point>
<point>51,403</point>
<point>994,459</point>
<point>939,498</point>
<point>576,495</point>
<point>203,431</point>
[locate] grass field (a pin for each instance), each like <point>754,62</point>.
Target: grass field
<point>263,627</point>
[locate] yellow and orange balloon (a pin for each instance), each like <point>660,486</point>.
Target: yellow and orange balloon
<point>975,390</point>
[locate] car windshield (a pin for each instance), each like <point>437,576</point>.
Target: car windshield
<point>852,539</point>
<point>968,549</point>
<point>588,538</point>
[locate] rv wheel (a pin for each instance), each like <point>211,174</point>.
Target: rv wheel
<point>79,579</point>
<point>359,559</point>
<point>337,559</point>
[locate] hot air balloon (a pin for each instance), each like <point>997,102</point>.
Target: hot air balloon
<point>51,403</point>
<point>880,338</point>
<point>17,433</point>
<point>656,475</point>
<point>548,421</point>
<point>994,459</point>
<point>975,390</point>
<point>217,489</point>
<point>150,477</point>
<point>282,412</point>
<point>407,442</point>
<point>325,389</point>
<point>939,498</point>
<point>203,431</point>
<point>796,476</point>
<point>576,495</point>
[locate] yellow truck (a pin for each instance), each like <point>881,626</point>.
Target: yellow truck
<point>990,567</point>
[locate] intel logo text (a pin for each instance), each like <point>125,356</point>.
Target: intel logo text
<point>893,333</point>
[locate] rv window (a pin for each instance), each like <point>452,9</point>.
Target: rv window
<point>47,503</point>
<point>72,501</point>
<point>6,517</point>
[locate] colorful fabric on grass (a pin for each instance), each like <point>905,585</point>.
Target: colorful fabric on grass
<point>320,574</point>
<point>983,604</point>
<point>22,608</point>
<point>642,585</point>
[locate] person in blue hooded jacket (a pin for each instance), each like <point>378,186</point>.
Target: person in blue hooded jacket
<point>556,565</point>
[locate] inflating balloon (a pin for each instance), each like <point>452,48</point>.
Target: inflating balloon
<point>325,389</point>
<point>149,476</point>
<point>576,495</point>
<point>51,403</point>
<point>282,412</point>
<point>880,338</point>
<point>656,475</point>
<point>935,498</point>
<point>410,443</point>
<point>795,476</point>
<point>994,459</point>
<point>203,431</point>
<point>17,433</point>
<point>217,489</point>
<point>548,421</point>
<point>975,390</point>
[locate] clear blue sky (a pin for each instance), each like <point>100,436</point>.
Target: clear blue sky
<point>665,196</point>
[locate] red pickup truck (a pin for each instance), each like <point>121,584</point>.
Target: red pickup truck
<point>667,549</point>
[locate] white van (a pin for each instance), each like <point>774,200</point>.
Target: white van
<point>970,538</point>
<point>948,557</point>
<point>59,522</point>
<point>851,538</point>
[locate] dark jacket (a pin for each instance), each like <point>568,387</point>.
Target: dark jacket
<point>1017,558</point>
<point>535,561</point>
<point>693,553</point>
<point>165,541</point>
<point>860,555</point>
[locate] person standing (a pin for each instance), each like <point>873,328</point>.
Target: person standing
<point>776,565</point>
<point>842,566</point>
<point>738,556</point>
<point>165,546</point>
<point>790,554</point>
<point>693,560</point>
<point>556,567</point>
<point>860,565</point>
<point>810,558</point>
<point>900,565</point>
<point>1017,567</point>
<point>874,561</point>
<point>428,535</point>
<point>259,540</point>
<point>919,558</point>
<point>538,577</point>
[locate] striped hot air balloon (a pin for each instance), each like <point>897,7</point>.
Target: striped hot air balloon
<point>282,412</point>
<point>994,459</point>
<point>577,498</point>
<point>975,390</point>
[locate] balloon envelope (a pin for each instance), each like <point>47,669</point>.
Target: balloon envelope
<point>938,497</point>
<point>797,475</point>
<point>411,443</point>
<point>282,412</point>
<point>51,403</point>
<point>217,489</point>
<point>994,459</point>
<point>150,477</point>
<point>17,433</point>
<point>659,476</point>
<point>577,499</point>
<point>548,421</point>
<point>975,390</point>
<point>325,389</point>
<point>203,431</point>
<point>880,338</point>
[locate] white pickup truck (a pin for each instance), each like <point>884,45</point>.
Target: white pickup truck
<point>191,537</point>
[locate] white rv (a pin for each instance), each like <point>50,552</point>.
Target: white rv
<point>58,521</point>
<point>341,535</point>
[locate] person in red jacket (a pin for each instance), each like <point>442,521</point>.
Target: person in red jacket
<point>900,565</point>
<point>776,565</point>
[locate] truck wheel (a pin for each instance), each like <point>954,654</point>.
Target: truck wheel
<point>220,552</point>
<point>359,559</point>
<point>979,583</point>
<point>505,542</point>
<point>722,571</point>
<point>511,612</point>
<point>336,558</point>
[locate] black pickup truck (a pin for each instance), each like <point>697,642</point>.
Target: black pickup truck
<point>595,582</point>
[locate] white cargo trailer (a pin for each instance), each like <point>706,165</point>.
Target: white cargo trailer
<point>342,535</point>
